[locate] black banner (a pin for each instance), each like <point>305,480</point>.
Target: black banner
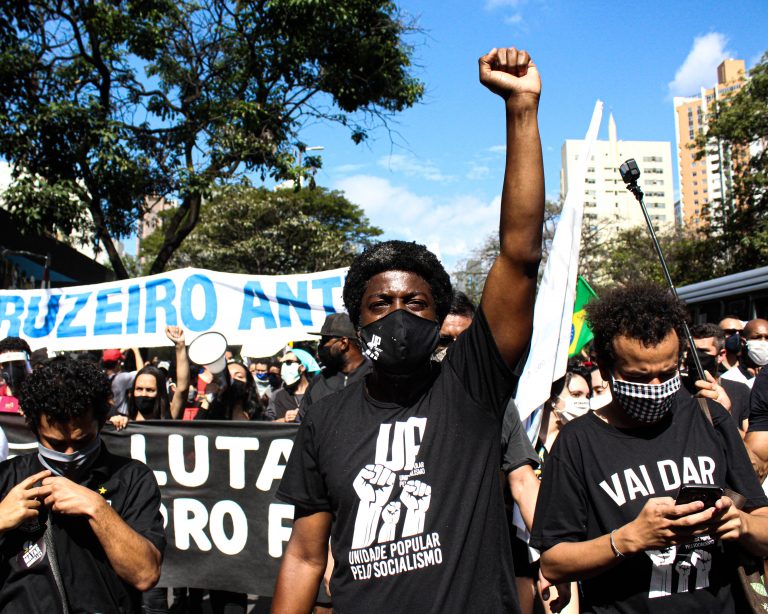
<point>224,527</point>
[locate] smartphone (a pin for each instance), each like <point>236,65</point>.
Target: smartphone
<point>708,493</point>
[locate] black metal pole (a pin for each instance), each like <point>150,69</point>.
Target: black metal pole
<point>638,194</point>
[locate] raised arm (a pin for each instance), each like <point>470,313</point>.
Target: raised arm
<point>179,400</point>
<point>510,290</point>
<point>137,358</point>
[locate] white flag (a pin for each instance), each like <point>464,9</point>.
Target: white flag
<point>553,312</point>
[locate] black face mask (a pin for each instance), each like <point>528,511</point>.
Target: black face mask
<point>331,362</point>
<point>275,380</point>
<point>708,363</point>
<point>238,391</point>
<point>733,343</point>
<point>400,342</point>
<point>14,374</point>
<point>145,406</point>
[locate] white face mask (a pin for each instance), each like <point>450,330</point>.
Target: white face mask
<point>757,350</point>
<point>290,373</point>
<point>600,401</point>
<point>573,409</point>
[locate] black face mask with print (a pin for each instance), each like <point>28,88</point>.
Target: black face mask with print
<point>400,342</point>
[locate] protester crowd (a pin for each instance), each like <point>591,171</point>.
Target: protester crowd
<point>640,490</point>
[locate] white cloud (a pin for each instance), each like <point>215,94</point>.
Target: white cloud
<point>413,167</point>
<point>514,20</point>
<point>754,61</point>
<point>490,5</point>
<point>345,169</point>
<point>700,66</point>
<point>498,149</point>
<point>451,226</point>
<point>478,171</point>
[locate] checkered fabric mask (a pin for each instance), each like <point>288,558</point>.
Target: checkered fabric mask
<point>646,403</point>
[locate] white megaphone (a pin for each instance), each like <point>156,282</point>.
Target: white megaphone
<point>208,350</point>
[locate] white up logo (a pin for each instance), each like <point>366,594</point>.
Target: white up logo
<point>397,451</point>
<point>374,347</point>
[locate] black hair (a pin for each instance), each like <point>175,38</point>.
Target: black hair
<point>63,389</point>
<point>162,407</point>
<point>704,331</point>
<point>226,398</point>
<point>575,367</point>
<point>461,305</point>
<point>643,311</point>
<point>396,256</point>
<point>15,344</point>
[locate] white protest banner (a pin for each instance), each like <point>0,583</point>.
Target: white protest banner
<point>553,311</point>
<point>260,311</point>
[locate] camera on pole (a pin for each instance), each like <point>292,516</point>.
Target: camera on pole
<point>630,173</point>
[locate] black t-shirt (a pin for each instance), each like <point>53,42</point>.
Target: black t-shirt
<point>419,522</point>
<point>599,477</point>
<point>26,581</point>
<point>282,402</point>
<point>738,393</point>
<point>758,403</point>
<point>516,448</point>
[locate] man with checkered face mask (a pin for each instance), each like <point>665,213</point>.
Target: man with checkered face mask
<point>606,513</point>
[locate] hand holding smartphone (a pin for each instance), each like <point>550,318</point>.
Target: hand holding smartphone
<point>707,493</point>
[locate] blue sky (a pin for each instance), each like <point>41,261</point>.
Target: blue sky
<point>438,179</point>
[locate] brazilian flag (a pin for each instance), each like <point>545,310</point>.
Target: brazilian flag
<point>580,332</point>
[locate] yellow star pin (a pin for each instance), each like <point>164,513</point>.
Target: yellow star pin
<point>102,491</point>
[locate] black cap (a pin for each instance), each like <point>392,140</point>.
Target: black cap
<point>337,325</point>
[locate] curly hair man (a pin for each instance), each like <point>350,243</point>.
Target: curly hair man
<point>402,467</point>
<point>608,513</point>
<point>80,528</point>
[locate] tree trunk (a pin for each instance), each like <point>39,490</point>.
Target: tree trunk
<point>182,223</point>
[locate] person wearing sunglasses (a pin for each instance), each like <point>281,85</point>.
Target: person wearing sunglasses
<point>284,404</point>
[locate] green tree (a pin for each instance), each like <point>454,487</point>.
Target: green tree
<point>628,255</point>
<point>104,103</point>
<point>258,231</point>
<point>738,127</point>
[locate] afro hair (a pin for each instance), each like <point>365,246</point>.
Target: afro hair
<point>646,312</point>
<point>63,389</point>
<point>396,256</point>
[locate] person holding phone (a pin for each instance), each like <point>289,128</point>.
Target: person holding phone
<point>606,513</point>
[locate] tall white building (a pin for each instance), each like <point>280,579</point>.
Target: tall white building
<point>608,204</point>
